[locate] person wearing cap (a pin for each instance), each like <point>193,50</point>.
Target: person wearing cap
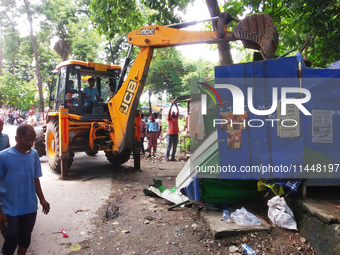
<point>4,139</point>
<point>90,94</point>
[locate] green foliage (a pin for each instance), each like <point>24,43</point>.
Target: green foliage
<point>113,50</point>
<point>165,73</point>
<point>296,21</point>
<point>18,93</point>
<point>198,71</point>
<point>164,12</point>
<point>113,17</point>
<point>11,44</point>
<point>143,106</point>
<point>85,41</point>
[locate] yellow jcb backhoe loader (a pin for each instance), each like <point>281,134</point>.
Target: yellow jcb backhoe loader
<point>113,127</point>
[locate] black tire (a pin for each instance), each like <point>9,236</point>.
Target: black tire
<point>118,159</point>
<point>52,147</point>
<point>39,143</point>
<point>91,153</point>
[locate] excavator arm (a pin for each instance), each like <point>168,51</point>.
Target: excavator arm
<point>256,31</point>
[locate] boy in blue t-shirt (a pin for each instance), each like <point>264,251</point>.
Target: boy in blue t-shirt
<point>152,129</point>
<point>20,170</point>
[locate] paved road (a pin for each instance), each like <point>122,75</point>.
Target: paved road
<point>66,197</point>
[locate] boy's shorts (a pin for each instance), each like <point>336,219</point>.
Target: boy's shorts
<point>153,140</point>
<point>18,232</point>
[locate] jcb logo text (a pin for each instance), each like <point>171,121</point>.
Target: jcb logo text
<point>128,96</point>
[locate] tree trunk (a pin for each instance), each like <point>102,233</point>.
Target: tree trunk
<point>41,99</point>
<point>224,47</point>
<point>111,51</point>
<point>150,109</point>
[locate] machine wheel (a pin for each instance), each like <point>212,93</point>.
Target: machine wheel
<point>91,153</point>
<point>118,159</point>
<point>52,147</point>
<point>39,143</point>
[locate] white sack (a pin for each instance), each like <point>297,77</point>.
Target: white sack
<point>280,214</point>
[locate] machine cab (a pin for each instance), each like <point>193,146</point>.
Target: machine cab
<point>72,79</point>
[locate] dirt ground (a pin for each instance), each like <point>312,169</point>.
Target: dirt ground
<point>133,223</point>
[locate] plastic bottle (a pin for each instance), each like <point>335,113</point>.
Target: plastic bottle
<point>64,233</point>
<point>226,216</point>
<point>253,219</point>
<point>247,249</point>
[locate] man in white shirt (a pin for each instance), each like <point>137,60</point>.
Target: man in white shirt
<point>32,119</point>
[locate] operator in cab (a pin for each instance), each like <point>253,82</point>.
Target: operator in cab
<point>113,86</point>
<point>90,94</point>
<point>71,88</point>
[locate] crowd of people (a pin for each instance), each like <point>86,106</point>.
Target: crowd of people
<point>15,116</point>
<point>153,131</point>
<point>9,115</point>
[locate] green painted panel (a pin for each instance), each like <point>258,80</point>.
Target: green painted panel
<point>208,160</point>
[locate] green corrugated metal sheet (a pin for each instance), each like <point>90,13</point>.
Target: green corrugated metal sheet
<point>210,157</point>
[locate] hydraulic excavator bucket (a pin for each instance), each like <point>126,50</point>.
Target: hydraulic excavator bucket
<point>258,32</point>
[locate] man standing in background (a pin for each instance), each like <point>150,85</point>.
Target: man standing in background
<point>173,131</point>
<point>32,119</point>
<point>142,132</point>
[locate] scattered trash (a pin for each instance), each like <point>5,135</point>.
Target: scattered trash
<point>247,249</point>
<point>179,204</point>
<point>150,218</point>
<point>280,214</point>
<point>81,210</point>
<point>64,233</point>
<point>303,240</point>
<point>233,248</point>
<point>75,247</point>
<point>115,223</point>
<point>112,211</point>
<point>194,226</point>
<point>244,218</point>
<point>209,241</point>
<point>125,231</point>
<point>158,190</point>
<point>279,188</point>
<point>226,216</point>
<point>83,233</point>
<point>146,222</point>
